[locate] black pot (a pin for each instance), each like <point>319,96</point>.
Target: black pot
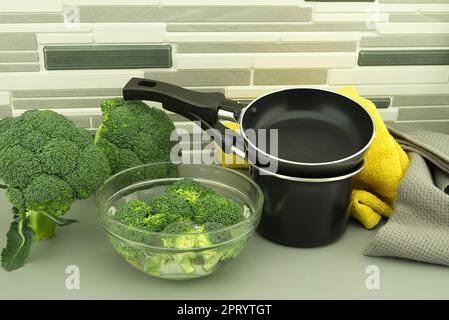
<point>304,212</point>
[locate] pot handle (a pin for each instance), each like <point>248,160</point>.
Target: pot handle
<point>191,104</point>
<point>195,106</point>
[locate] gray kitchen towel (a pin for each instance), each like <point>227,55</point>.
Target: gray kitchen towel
<point>419,227</point>
<point>442,180</point>
<point>431,145</point>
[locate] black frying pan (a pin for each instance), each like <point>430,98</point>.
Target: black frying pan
<point>320,133</point>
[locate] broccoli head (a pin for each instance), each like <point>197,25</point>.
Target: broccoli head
<point>47,163</point>
<point>218,209</point>
<point>132,133</point>
<point>190,190</point>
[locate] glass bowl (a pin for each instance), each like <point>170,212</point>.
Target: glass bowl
<point>153,252</point>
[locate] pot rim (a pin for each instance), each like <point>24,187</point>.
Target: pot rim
<point>309,164</point>
<point>313,180</point>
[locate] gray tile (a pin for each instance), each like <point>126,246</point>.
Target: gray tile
<point>433,126</point>
<point>56,103</point>
<point>17,41</point>
<point>67,93</point>
<point>107,57</point>
<point>33,67</point>
<point>380,102</point>
<point>282,76</point>
<point>32,18</point>
<point>18,57</point>
<point>285,27</point>
<point>267,47</point>
<point>200,78</point>
<point>425,113</point>
<point>5,111</point>
<point>403,57</point>
<point>423,17</point>
<point>96,121</point>
<point>414,1</point>
<point>209,89</point>
<point>405,41</point>
<point>421,100</point>
<point>82,122</point>
<point>98,14</point>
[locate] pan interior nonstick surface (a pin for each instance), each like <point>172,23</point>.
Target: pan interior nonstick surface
<point>312,140</point>
<point>313,126</point>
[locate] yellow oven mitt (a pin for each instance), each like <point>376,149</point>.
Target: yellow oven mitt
<point>375,187</point>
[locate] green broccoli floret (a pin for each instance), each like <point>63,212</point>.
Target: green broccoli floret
<point>139,214</point>
<point>128,252</point>
<point>190,190</point>
<point>218,209</point>
<point>173,207</point>
<point>187,240</point>
<point>133,213</point>
<point>156,214</point>
<point>47,163</point>
<point>210,258</point>
<point>189,236</point>
<point>217,236</point>
<point>132,133</point>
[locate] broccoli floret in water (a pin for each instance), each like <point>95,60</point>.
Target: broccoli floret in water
<point>190,215</point>
<point>190,190</point>
<point>217,235</point>
<point>189,236</point>
<point>46,163</point>
<point>218,209</point>
<point>139,214</point>
<point>132,133</point>
<point>173,207</point>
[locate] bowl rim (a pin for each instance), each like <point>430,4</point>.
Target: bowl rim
<point>257,206</point>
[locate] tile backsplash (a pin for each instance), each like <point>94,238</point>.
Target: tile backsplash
<point>69,55</point>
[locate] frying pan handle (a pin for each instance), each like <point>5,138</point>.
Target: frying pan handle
<point>191,104</point>
<point>207,108</point>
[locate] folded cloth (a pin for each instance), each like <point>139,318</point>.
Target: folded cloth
<point>431,145</point>
<point>419,228</point>
<point>375,187</point>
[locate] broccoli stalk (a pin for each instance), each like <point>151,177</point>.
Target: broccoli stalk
<point>46,163</point>
<point>185,241</point>
<point>43,227</point>
<point>154,263</point>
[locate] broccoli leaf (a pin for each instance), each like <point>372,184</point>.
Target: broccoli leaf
<point>58,220</point>
<point>3,186</point>
<point>18,245</point>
